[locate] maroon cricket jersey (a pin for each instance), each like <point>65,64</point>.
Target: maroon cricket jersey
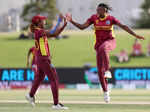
<point>103,28</point>
<point>41,43</point>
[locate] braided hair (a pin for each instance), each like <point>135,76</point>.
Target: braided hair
<point>34,25</point>
<point>106,6</point>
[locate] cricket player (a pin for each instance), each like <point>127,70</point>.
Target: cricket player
<point>43,61</point>
<point>31,53</point>
<point>105,40</point>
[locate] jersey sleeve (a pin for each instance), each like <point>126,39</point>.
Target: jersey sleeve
<point>90,20</point>
<point>115,21</point>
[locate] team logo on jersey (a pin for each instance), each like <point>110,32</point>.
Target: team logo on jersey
<point>97,21</point>
<point>108,22</point>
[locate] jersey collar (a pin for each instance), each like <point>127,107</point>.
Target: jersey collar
<point>102,19</point>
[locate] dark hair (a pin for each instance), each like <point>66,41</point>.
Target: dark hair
<point>105,6</point>
<point>33,26</point>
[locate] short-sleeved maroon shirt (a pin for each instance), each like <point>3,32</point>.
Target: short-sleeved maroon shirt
<point>103,28</point>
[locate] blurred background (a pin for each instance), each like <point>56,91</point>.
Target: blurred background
<point>13,12</point>
<point>73,52</point>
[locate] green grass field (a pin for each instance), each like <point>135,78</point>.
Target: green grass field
<point>77,101</point>
<point>72,52</point>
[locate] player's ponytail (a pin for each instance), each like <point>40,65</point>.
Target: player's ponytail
<point>32,27</point>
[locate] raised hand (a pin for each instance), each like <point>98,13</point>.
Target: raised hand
<point>69,17</point>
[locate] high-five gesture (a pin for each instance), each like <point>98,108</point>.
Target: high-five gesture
<point>69,17</point>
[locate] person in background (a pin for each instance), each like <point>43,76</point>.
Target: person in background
<point>56,25</point>
<point>137,49</point>
<point>31,59</point>
<point>23,35</point>
<point>105,41</point>
<point>122,56</point>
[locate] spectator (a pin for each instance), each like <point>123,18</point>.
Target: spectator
<point>23,36</point>
<point>137,49</point>
<point>122,56</point>
<point>55,26</point>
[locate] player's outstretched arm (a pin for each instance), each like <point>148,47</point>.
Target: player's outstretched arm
<point>59,20</point>
<point>58,30</point>
<point>80,26</point>
<point>126,28</point>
